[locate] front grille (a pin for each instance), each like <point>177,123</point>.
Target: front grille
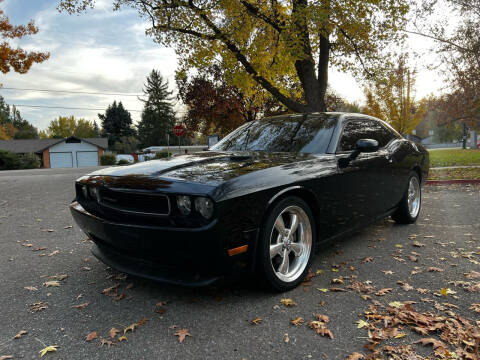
<point>134,202</point>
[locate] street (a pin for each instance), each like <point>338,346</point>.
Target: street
<point>39,242</point>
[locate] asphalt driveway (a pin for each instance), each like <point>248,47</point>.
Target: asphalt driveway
<point>39,243</point>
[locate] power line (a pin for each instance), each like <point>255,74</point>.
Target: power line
<point>64,107</point>
<point>72,92</point>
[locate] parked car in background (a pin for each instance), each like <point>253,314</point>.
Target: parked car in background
<point>260,200</point>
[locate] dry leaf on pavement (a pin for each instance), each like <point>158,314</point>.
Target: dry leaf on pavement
<point>81,306</point>
<point>113,332</point>
<point>288,302</point>
<point>297,322</point>
<point>20,334</point>
<point>47,349</point>
<point>91,336</point>
<point>53,283</point>
<point>355,356</point>
<point>182,333</point>
<point>256,321</point>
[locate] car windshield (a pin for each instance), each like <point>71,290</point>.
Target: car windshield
<point>297,133</point>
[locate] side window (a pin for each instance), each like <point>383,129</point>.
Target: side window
<point>363,129</point>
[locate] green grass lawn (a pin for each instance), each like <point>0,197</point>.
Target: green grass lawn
<point>454,174</point>
<point>454,157</point>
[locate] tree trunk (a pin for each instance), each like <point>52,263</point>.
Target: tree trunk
<point>323,59</point>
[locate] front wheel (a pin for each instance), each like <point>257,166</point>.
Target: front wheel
<point>409,207</point>
<point>286,244</point>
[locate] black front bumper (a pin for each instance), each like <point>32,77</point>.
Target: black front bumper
<point>187,256</point>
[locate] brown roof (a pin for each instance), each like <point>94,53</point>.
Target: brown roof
<point>38,145</point>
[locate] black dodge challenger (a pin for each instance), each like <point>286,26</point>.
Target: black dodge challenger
<point>261,200</point>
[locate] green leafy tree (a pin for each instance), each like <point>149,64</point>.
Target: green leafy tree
<point>274,43</point>
<point>116,122</point>
<point>158,117</point>
<point>126,145</point>
<point>66,126</point>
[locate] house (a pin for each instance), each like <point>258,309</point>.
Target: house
<point>60,153</point>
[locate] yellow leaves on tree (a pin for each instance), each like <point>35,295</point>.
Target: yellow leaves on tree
<point>17,59</point>
<point>392,99</point>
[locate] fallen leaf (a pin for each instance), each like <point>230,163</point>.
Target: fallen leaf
<point>325,332</point>
<point>256,321</point>
<point>141,322</point>
<point>323,318</point>
<point>355,356</point>
<point>47,349</point>
<point>297,322</point>
<point>418,244</point>
<point>388,272</point>
<point>399,246</point>
<point>53,283</point>
<point>472,275</point>
<point>182,333</point>
<point>54,253</point>
<point>20,334</point>
<point>399,336</point>
<point>27,245</point>
<point>120,297</point>
<point>91,336</point>
<point>446,291</point>
<point>31,288</point>
<point>58,277</point>
<point>288,302</point>
<point>111,291</point>
<point>407,287</point>
<point>122,338</point>
<point>68,227</point>
<point>113,332</point>
<point>286,339</point>
<point>475,307</point>
<point>384,291</point>
<point>81,306</point>
<point>367,259</point>
<point>6,357</point>
<point>431,341</point>
<point>337,281</point>
<point>396,304</point>
<point>129,328</point>
<point>322,289</point>
<point>106,342</point>
<point>38,306</point>
<point>362,323</point>
<point>434,269</point>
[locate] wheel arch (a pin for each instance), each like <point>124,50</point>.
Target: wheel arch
<point>303,193</point>
<point>418,170</point>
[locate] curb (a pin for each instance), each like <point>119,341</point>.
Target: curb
<point>458,181</point>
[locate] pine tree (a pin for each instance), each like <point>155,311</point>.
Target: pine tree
<point>116,122</point>
<point>158,117</point>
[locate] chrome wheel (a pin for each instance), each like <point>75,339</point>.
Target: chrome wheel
<point>414,197</point>
<point>290,243</point>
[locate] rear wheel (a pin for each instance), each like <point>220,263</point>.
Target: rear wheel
<point>286,244</point>
<point>409,207</point>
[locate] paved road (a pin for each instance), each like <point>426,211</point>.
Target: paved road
<point>33,210</point>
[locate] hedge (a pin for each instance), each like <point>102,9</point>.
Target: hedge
<point>108,159</point>
<point>12,161</point>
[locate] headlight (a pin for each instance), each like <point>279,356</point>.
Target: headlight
<point>184,204</point>
<point>204,206</point>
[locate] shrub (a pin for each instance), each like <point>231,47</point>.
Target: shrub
<point>29,161</point>
<point>108,159</point>
<point>9,160</point>
<point>123,162</point>
<point>162,155</point>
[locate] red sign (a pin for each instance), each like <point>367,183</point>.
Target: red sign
<point>178,130</point>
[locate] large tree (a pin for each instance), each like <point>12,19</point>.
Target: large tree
<point>116,122</point>
<point>393,99</point>
<point>12,125</point>
<point>158,117</point>
<point>216,107</point>
<point>66,126</point>
<point>457,46</point>
<point>271,43</point>
<point>17,59</point>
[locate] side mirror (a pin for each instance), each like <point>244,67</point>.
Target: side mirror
<point>362,145</point>
<point>366,145</point>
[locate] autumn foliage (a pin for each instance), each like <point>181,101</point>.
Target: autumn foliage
<point>17,59</point>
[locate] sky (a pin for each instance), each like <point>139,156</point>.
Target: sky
<point>104,51</point>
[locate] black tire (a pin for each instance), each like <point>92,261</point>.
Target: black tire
<point>403,215</point>
<point>265,267</point>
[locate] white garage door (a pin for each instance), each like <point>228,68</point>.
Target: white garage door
<point>87,158</point>
<point>61,159</point>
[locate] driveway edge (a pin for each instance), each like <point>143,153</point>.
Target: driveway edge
<point>457,181</point>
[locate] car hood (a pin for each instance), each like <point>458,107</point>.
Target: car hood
<point>205,167</point>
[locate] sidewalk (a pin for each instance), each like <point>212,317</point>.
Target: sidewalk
<point>454,167</point>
